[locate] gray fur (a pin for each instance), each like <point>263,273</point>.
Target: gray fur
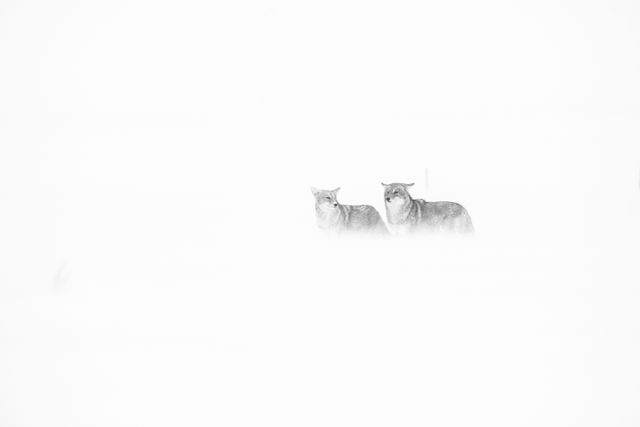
<point>408,215</point>
<point>335,217</point>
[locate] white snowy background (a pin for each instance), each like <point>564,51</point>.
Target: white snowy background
<point>159,259</point>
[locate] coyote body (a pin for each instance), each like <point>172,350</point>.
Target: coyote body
<point>408,215</point>
<point>334,217</point>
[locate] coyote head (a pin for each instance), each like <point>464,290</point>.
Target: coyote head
<point>396,192</point>
<point>325,199</point>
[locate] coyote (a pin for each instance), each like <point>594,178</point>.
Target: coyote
<point>405,214</point>
<point>334,217</point>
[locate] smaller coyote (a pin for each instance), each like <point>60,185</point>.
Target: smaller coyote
<point>334,217</point>
<point>406,214</point>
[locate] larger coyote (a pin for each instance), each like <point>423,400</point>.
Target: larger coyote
<point>407,215</point>
<point>337,218</point>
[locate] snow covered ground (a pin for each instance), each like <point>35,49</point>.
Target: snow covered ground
<point>160,310</point>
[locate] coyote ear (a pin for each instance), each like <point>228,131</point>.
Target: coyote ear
<point>384,185</point>
<point>410,185</point>
<point>314,190</point>
<point>336,190</point>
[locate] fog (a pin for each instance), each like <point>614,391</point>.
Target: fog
<point>160,260</point>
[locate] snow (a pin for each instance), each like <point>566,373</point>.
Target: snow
<point>160,260</point>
